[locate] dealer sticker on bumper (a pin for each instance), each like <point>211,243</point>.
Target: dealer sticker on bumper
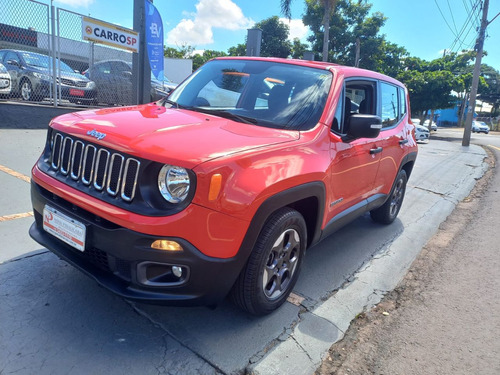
<point>63,227</point>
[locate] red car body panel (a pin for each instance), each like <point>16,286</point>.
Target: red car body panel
<point>260,168</point>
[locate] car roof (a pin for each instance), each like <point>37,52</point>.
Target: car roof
<point>347,71</point>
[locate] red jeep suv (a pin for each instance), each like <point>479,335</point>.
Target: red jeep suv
<point>220,188</point>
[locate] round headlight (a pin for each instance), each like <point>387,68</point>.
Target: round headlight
<point>173,183</point>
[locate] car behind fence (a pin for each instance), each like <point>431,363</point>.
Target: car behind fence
<point>49,60</point>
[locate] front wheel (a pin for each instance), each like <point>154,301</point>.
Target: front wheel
<point>273,267</point>
<point>26,90</point>
<point>388,212</point>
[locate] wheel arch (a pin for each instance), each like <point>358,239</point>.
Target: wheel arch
<point>408,163</point>
<point>308,199</point>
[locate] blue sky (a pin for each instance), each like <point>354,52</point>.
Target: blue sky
<point>424,27</point>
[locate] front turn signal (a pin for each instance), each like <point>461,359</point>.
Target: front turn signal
<point>215,186</point>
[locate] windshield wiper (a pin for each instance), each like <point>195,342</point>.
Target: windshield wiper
<point>226,114</point>
<point>174,104</point>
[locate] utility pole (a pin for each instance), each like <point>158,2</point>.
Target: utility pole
<point>475,76</point>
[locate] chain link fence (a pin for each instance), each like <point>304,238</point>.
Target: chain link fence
<point>33,46</point>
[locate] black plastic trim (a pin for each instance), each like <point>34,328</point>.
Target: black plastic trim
<point>207,283</point>
<point>347,216</point>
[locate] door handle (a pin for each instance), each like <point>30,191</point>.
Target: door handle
<point>403,141</point>
<point>377,150</point>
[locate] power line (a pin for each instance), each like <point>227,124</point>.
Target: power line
<point>444,18</point>
<point>452,18</point>
<point>461,39</point>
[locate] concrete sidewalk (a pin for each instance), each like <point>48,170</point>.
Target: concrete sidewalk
<point>444,316</point>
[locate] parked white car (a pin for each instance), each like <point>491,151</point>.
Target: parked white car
<point>5,82</point>
<point>434,127</point>
<point>421,133</point>
<point>480,127</point>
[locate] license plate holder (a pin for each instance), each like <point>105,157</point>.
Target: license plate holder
<point>63,227</point>
<point>75,92</point>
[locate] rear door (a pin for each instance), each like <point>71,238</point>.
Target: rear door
<point>394,137</point>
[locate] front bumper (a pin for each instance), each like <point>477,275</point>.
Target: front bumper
<point>119,259</point>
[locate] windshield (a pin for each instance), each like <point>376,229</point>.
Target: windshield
<point>42,61</point>
<point>271,94</point>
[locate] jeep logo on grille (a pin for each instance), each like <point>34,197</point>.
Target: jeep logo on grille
<point>94,133</point>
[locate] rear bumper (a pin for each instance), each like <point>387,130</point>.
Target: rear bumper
<point>123,262</point>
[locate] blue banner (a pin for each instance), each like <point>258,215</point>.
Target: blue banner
<point>154,39</point>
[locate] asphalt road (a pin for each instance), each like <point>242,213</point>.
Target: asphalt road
<point>54,320</point>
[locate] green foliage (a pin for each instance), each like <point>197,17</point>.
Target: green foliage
<point>181,52</point>
<point>429,90</point>
<point>298,48</point>
<point>275,41</point>
<point>238,50</point>
<point>199,60</point>
<point>490,93</point>
<point>351,21</point>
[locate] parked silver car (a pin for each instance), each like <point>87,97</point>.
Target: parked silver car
<point>5,85</point>
<point>114,83</point>
<point>31,77</point>
<point>480,127</point>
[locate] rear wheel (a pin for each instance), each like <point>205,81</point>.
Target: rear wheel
<point>274,264</point>
<point>388,212</point>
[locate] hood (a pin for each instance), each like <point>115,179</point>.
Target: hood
<point>170,136</point>
<point>64,74</point>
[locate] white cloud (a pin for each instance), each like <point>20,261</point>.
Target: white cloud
<point>297,28</point>
<point>198,28</point>
<point>76,3</point>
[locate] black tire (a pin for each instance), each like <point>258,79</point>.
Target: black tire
<point>273,267</point>
<point>26,90</point>
<point>388,212</point>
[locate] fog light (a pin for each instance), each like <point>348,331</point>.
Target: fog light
<point>166,245</point>
<point>177,271</point>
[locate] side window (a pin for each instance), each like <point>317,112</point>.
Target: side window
<point>402,103</point>
<point>390,105</point>
<point>104,68</point>
<point>12,56</point>
<point>337,120</point>
<point>359,98</point>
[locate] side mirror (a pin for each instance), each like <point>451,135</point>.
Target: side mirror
<point>362,126</point>
<point>13,62</point>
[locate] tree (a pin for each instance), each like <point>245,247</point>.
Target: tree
<point>199,60</point>
<point>328,8</point>
<point>491,93</point>
<point>275,41</point>
<point>298,48</point>
<point>181,52</point>
<point>238,50</point>
<point>355,37</point>
<point>429,90</point>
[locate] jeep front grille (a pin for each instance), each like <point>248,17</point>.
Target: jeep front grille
<point>95,167</point>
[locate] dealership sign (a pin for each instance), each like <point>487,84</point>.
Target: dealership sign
<point>109,34</point>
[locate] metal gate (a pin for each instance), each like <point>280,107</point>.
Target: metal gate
<point>37,40</point>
